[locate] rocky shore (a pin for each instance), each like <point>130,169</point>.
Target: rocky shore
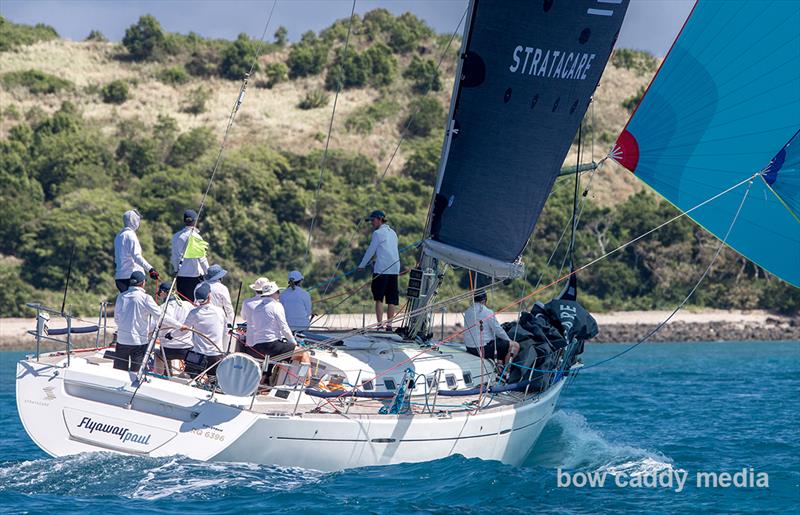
<point>627,326</point>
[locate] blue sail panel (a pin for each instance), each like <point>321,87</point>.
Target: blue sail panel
<point>783,175</point>
<point>721,109</point>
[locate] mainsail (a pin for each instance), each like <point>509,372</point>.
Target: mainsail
<point>528,73</point>
<point>725,106</point>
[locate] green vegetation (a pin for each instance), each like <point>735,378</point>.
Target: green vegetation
<point>96,36</point>
<point>115,92</point>
<point>314,99</point>
<point>631,102</point>
<point>35,81</point>
<point>174,76</point>
<point>640,61</point>
<point>66,179</point>
<point>14,34</point>
<point>281,35</point>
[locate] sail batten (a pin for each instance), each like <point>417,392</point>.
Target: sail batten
<point>721,109</point>
<point>524,88</point>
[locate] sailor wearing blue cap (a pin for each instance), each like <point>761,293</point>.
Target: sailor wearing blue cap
<point>383,247</point>
<point>189,273</point>
<point>135,312</point>
<point>207,323</point>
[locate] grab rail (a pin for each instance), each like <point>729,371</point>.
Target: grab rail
<point>42,332</point>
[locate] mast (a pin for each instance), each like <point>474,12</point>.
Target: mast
<point>431,274</point>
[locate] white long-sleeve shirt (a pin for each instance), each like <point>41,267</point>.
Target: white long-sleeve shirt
<point>191,267</point>
<point>246,313</point>
<point>297,304</point>
<point>491,327</point>
<point>179,310</point>
<point>208,320</point>
<point>128,254</point>
<point>269,323</point>
<point>135,312</point>
<point>384,247</point>
<point>221,297</point>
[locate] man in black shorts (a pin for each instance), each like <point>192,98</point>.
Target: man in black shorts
<point>383,248</point>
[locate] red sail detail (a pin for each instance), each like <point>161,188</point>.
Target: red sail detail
<point>626,151</point>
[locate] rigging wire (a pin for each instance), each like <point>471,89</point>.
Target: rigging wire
<point>324,160</point>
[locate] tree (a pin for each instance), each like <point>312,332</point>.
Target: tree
<point>190,146</point>
<point>115,92</point>
<point>276,72</point>
<point>281,36</point>
<point>423,74</point>
<point>308,57</point>
<point>423,164</point>
<point>424,115</point>
<point>238,58</point>
<point>145,39</point>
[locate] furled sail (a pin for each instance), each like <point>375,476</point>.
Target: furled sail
<point>528,72</point>
<point>721,109</point>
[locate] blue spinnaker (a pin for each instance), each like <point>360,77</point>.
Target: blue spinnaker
<point>721,109</point>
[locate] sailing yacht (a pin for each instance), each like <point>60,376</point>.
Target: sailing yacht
<point>525,78</point>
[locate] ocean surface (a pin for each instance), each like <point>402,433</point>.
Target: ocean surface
<point>660,411</point>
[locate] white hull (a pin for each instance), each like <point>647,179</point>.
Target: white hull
<point>82,408</point>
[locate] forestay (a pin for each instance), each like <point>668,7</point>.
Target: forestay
<point>528,73</point>
<point>725,106</point>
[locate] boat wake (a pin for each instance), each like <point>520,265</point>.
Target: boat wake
<point>569,442</point>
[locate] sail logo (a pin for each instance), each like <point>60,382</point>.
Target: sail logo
<point>123,432</point>
<point>551,64</point>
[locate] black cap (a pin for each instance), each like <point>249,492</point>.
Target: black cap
<point>165,286</point>
<point>375,214</point>
<point>480,296</point>
<point>137,278</point>
<point>189,216</point>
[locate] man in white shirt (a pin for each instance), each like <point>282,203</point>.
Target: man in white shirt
<point>207,323</point>
<point>220,296</point>
<point>383,247</point>
<point>297,303</point>
<point>483,335</point>
<point>173,347</point>
<point>246,311</point>
<point>271,332</point>
<point>190,272</point>
<point>135,312</point>
<point>128,252</point>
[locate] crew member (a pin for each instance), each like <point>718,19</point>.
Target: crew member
<point>297,303</point>
<point>271,332</point>
<point>128,252</point>
<point>207,324</point>
<point>220,296</point>
<point>189,273</point>
<point>484,336</point>
<point>246,311</point>
<point>173,347</point>
<point>135,312</point>
<point>383,247</point>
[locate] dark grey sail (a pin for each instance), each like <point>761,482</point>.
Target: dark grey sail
<point>530,68</point>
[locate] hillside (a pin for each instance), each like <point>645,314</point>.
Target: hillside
<point>92,128</point>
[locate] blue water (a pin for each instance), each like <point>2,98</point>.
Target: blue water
<point>668,408</point>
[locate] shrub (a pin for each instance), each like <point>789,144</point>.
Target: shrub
<point>141,155</point>
<point>308,57</point>
<point>375,66</point>
<point>35,81</point>
<point>15,292</point>
<point>190,145</point>
<point>640,61</point>
<point>238,58</point>
<point>424,115</point>
<point>115,92</point>
<point>424,75</point>
<point>363,119</point>
<point>631,102</point>
<point>15,34</point>
<point>195,101</point>
<point>204,62</point>
<point>145,39</point>
<point>174,76</point>
<point>314,99</point>
<point>423,165</point>
<point>276,73</point>
<point>96,35</point>
<point>382,64</point>
<point>406,32</point>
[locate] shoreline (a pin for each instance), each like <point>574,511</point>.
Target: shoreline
<point>615,327</point>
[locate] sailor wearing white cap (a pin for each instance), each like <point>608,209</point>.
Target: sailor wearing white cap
<point>297,303</point>
<point>190,273</point>
<point>246,311</point>
<point>135,312</point>
<point>271,332</point>
<point>207,323</point>
<point>128,252</point>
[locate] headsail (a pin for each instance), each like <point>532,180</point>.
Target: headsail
<point>722,108</point>
<point>528,74</point>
